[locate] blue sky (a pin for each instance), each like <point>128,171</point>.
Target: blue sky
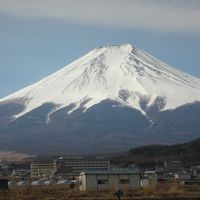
<point>39,37</point>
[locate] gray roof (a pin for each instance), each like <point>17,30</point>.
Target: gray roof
<point>110,171</point>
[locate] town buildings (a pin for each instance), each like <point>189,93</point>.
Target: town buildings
<point>67,167</point>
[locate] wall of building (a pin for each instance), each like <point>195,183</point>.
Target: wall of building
<point>82,182</point>
<point>113,182</point>
<point>98,182</point>
<point>73,167</point>
<point>40,169</point>
<point>134,181</point>
<point>102,182</point>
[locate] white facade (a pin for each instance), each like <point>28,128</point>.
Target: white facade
<point>92,180</point>
<point>12,184</point>
<point>22,183</point>
<point>74,166</point>
<point>42,169</point>
<point>63,182</point>
<point>36,183</point>
<point>20,173</point>
<point>183,176</point>
<point>145,182</point>
<point>49,182</point>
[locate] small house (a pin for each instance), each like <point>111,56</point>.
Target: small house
<point>98,180</point>
<point>148,178</point>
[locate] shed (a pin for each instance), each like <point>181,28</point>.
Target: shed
<point>97,180</point>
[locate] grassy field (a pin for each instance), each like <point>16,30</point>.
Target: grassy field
<point>166,192</point>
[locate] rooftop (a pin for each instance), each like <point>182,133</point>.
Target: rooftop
<point>111,171</point>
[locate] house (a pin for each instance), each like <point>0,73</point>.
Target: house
<point>148,178</point>
<point>182,176</point>
<point>97,180</point>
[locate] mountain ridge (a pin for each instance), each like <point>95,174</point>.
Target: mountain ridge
<point>114,70</point>
<point>188,153</point>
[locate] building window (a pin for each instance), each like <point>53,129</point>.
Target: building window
<point>124,181</point>
<point>102,181</point>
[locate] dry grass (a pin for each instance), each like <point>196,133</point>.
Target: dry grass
<point>172,189</point>
<point>168,191</point>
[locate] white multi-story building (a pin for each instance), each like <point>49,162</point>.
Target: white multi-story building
<point>42,169</point>
<point>74,166</point>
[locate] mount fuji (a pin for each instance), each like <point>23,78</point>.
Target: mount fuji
<point>111,99</point>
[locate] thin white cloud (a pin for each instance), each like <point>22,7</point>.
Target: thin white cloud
<point>162,15</point>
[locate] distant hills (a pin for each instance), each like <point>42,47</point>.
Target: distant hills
<point>188,152</point>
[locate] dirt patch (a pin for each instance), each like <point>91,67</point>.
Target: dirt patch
<point>10,156</point>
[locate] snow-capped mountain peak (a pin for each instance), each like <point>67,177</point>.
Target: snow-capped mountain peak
<point>122,73</point>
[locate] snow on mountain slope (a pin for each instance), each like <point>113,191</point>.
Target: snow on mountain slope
<point>121,73</point>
